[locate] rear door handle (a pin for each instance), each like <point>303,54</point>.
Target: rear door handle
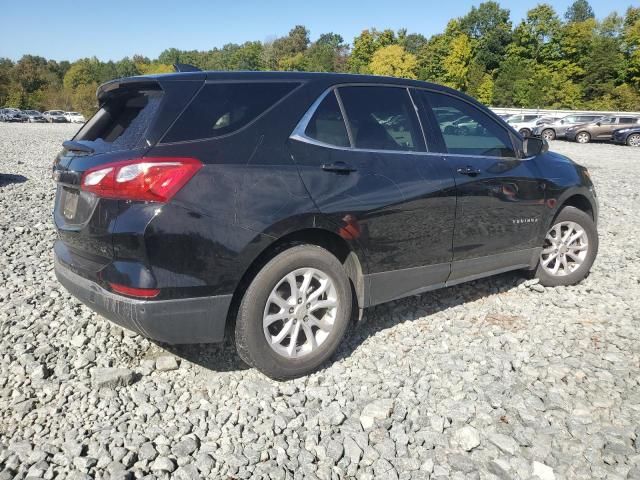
<point>338,167</point>
<point>469,170</point>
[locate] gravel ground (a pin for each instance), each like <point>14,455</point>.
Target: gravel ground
<point>500,378</point>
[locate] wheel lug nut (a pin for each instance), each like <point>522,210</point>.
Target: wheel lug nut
<point>299,301</point>
<point>291,310</point>
<point>308,305</point>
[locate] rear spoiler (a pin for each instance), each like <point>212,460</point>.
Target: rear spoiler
<point>147,82</point>
<point>185,67</point>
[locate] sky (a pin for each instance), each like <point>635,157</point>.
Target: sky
<point>111,30</point>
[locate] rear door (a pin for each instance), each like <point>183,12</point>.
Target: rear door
<point>500,196</point>
<point>375,179</point>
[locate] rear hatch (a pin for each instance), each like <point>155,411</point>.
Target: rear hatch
<point>133,115</point>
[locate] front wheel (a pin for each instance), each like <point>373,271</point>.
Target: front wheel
<point>525,132</point>
<point>583,137</point>
<point>295,313</point>
<point>569,249</point>
<point>548,134</point>
<point>634,140</point>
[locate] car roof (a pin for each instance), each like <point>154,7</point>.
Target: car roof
<point>235,75</point>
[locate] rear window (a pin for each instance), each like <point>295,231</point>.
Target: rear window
<point>223,108</point>
<point>122,121</point>
<point>327,124</point>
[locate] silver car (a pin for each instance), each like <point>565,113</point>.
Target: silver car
<point>558,129</point>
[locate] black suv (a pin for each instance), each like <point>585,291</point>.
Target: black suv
<point>276,206</point>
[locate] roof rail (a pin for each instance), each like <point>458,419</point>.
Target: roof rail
<point>185,67</point>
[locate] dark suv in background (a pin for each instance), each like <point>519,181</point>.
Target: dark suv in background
<point>276,206</point>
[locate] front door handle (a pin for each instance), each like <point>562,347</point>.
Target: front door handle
<point>338,167</point>
<point>469,170</point>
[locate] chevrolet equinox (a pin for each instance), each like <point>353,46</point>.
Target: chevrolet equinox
<point>275,206</point>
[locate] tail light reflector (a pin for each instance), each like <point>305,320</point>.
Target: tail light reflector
<point>153,179</point>
<point>135,292</point>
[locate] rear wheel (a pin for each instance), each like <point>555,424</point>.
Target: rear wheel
<point>295,313</point>
<point>583,137</point>
<point>633,140</point>
<point>548,134</point>
<point>569,249</point>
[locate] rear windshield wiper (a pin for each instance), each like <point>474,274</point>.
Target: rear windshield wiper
<point>77,146</point>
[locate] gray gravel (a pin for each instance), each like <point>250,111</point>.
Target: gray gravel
<point>500,378</point>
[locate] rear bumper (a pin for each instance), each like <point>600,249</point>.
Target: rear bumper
<point>185,320</point>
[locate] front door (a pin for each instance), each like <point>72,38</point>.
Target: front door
<point>373,177</point>
<point>604,128</point>
<point>501,198</point>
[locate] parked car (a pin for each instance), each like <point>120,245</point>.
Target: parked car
<point>74,117</point>
<point>34,116</point>
<point>55,116</point>
<point>548,119</point>
<point>277,205</point>
<point>524,123</point>
<point>627,136</point>
<point>13,115</point>
<point>601,129</point>
<point>557,129</point>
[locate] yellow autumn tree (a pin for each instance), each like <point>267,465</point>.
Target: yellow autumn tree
<point>393,61</point>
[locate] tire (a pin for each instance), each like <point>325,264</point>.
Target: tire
<point>583,254</point>
<point>257,304</point>
<point>633,140</point>
<point>583,137</point>
<point>548,134</point>
<point>525,132</point>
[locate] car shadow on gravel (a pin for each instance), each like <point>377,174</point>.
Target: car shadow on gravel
<point>224,358</point>
<point>9,178</point>
<point>388,315</point>
<point>218,357</point>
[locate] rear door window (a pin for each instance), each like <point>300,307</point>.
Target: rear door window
<point>223,108</point>
<point>627,120</point>
<point>327,124</point>
<point>381,118</point>
<point>122,120</point>
<point>480,135</point>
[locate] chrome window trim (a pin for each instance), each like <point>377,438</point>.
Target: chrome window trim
<point>300,135</point>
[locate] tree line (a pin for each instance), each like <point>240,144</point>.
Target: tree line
<point>544,61</point>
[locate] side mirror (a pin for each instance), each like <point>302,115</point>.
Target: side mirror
<point>533,146</point>
<point>599,124</point>
<point>562,121</point>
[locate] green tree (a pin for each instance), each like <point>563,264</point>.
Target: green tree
<point>365,45</point>
<point>393,61</point>
<point>490,28</point>
<point>534,37</point>
<point>456,63</point>
<point>80,73</point>
<point>579,11</point>
<point>484,93</point>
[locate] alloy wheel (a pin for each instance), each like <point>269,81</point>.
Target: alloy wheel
<point>300,312</point>
<point>634,140</point>
<point>565,249</point>
<point>548,135</point>
<point>583,137</point>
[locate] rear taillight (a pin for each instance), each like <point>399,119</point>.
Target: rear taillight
<point>151,179</point>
